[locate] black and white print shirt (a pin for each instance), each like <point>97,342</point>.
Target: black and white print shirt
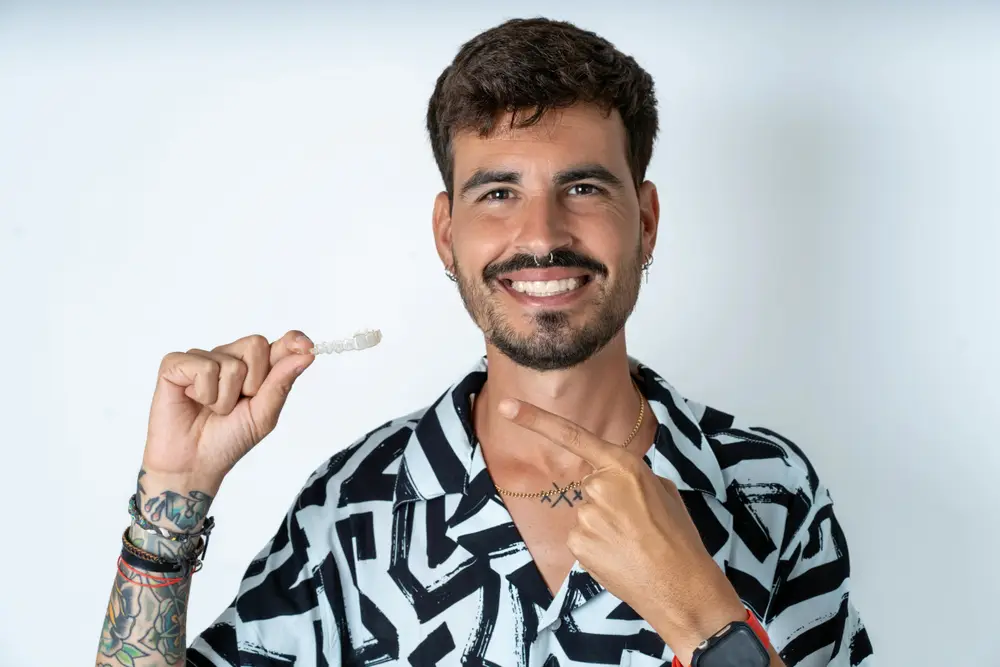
<point>399,551</point>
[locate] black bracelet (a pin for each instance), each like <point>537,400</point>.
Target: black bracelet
<point>176,569</point>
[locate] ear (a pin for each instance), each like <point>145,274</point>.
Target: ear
<point>649,216</point>
<point>442,229</point>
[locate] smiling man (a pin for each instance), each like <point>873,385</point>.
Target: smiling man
<point>559,504</point>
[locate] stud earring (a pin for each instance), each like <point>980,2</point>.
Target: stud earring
<point>451,275</point>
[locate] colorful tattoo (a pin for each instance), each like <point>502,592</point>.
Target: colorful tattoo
<point>185,512</point>
<point>166,636</point>
<point>119,624</point>
<point>144,622</point>
<point>146,625</point>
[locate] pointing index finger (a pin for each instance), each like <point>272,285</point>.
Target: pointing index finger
<point>568,435</point>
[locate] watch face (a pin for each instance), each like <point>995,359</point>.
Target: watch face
<point>739,647</point>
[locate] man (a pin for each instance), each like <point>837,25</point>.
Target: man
<point>561,504</point>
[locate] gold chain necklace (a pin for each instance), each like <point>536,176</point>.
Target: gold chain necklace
<point>573,485</point>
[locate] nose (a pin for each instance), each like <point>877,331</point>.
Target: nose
<point>541,228</point>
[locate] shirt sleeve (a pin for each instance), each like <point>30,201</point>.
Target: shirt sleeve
<point>279,615</point>
<point>811,618</point>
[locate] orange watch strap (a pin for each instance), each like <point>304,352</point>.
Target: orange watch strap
<point>754,624</point>
<point>758,629</point>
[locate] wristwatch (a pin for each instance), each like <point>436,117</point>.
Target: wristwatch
<point>739,644</point>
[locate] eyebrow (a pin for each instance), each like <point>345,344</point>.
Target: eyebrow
<point>486,176</point>
<point>587,172</point>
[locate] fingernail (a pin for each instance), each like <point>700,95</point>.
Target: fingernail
<point>508,408</point>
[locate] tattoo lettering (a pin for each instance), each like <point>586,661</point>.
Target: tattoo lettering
<point>577,496</point>
<point>186,512</point>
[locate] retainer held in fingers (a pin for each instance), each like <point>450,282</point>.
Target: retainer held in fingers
<point>359,341</point>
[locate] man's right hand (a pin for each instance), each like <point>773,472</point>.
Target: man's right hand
<point>209,409</point>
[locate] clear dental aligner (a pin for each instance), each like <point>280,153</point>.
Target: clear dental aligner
<point>359,341</point>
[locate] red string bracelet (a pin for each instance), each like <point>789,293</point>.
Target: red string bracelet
<point>162,581</point>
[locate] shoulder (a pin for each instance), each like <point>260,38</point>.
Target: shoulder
<point>763,469</point>
<point>365,470</point>
<point>742,457</point>
<point>749,452</point>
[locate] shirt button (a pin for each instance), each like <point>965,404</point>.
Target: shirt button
<point>556,624</point>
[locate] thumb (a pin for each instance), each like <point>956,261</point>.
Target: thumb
<point>270,399</point>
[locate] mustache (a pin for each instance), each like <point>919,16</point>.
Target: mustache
<point>562,258</point>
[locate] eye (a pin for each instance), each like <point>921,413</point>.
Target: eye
<point>500,194</point>
<point>584,189</point>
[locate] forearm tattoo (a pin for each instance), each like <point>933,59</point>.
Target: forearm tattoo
<point>185,512</point>
<point>144,626</point>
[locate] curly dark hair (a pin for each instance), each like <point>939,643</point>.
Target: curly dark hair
<point>528,66</point>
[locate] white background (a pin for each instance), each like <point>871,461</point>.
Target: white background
<point>827,265</point>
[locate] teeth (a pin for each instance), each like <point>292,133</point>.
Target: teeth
<point>545,287</point>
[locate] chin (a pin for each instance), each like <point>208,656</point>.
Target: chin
<point>552,344</point>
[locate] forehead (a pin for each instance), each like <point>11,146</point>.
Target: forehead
<point>581,134</point>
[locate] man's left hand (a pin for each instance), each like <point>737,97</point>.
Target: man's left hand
<point>634,535</point>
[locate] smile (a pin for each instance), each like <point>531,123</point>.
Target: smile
<point>546,287</point>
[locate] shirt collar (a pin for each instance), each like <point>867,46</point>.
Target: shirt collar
<point>441,455</point>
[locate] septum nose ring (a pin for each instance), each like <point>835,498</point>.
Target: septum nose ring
<point>538,263</point>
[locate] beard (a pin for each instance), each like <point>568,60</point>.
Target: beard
<point>553,342</point>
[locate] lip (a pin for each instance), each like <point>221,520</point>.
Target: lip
<point>555,301</point>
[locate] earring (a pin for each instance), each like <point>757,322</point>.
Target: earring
<point>645,267</point>
<point>451,275</point>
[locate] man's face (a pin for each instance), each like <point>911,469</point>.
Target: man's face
<point>547,235</point>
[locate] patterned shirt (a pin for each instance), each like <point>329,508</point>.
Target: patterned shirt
<point>399,551</point>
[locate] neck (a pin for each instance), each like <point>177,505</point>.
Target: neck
<point>597,395</point>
